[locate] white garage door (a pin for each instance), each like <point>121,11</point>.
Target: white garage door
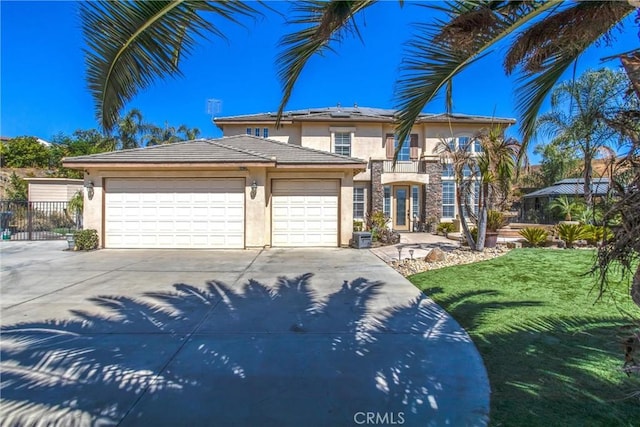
<point>174,213</point>
<point>304,213</point>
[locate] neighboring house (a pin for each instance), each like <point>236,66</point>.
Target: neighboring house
<point>419,189</point>
<point>535,204</point>
<point>234,192</point>
<point>53,189</point>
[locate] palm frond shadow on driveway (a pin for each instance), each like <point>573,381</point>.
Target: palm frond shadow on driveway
<point>219,355</point>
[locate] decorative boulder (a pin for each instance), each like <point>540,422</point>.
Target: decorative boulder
<point>435,255</point>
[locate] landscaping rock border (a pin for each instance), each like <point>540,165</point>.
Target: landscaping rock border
<point>458,256</point>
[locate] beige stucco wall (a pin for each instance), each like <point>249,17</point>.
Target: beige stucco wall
<point>289,133</point>
<point>434,133</point>
<point>257,210</point>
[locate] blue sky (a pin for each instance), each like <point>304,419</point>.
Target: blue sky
<point>43,88</point>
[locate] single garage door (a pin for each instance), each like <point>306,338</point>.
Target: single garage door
<point>304,213</point>
<point>174,213</point>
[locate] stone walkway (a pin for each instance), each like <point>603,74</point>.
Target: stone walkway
<point>420,243</point>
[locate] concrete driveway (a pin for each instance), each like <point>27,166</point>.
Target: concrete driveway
<point>227,338</point>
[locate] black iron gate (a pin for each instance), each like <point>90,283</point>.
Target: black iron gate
<point>22,220</point>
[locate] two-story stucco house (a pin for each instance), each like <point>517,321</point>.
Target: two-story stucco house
<point>420,186</point>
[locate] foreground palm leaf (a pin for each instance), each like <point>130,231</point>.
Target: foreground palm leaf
<point>324,22</point>
<point>131,44</point>
<point>441,50</point>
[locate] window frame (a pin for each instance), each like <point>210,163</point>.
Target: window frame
<point>449,203</point>
<point>339,145</point>
<point>359,192</point>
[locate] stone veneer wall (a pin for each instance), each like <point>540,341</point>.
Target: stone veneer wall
<point>377,189</point>
<point>433,190</point>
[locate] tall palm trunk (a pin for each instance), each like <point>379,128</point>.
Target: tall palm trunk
<point>588,173</point>
<point>463,220</point>
<point>635,287</point>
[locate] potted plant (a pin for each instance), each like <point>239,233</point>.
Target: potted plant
<point>495,221</point>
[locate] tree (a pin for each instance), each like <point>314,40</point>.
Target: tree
<point>545,39</point>
<point>17,190</point>
<point>81,143</point>
<point>557,163</point>
<point>130,129</point>
<point>462,162</point>
<point>25,152</point>
<point>485,178</point>
<point>189,134</point>
<point>161,135</point>
<point>577,119</point>
<point>132,44</point>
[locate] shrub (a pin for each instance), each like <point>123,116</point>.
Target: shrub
<point>86,240</point>
<point>569,233</point>
<point>495,220</point>
<point>445,227</point>
<point>594,234</point>
<point>535,236</point>
<point>376,222</point>
<point>357,225</point>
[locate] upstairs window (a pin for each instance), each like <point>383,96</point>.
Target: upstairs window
<point>447,170</point>
<point>257,130</point>
<point>405,151</point>
<point>477,146</point>
<point>265,133</point>
<point>248,131</point>
<point>342,143</point>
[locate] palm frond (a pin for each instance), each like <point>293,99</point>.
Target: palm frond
<point>543,67</point>
<point>132,44</point>
<point>596,20</point>
<point>325,22</point>
<point>442,49</point>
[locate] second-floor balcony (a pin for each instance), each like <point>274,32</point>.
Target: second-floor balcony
<point>411,166</point>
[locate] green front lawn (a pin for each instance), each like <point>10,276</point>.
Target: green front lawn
<point>554,357</point>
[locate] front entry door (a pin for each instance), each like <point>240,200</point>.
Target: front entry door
<point>401,207</point>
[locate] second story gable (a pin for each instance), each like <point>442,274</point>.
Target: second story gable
<point>361,132</point>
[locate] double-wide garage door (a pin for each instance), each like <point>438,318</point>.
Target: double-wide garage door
<point>304,213</point>
<point>174,213</point>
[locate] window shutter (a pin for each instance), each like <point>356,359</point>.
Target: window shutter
<point>390,145</point>
<point>414,149</point>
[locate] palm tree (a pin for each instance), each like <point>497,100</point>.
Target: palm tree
<point>130,128</point>
<point>132,44</point>
<point>462,162</point>
<point>189,134</point>
<point>546,38</point>
<point>161,135</point>
<point>577,120</point>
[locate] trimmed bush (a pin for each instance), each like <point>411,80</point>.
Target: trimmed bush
<point>535,236</point>
<point>570,233</point>
<point>445,227</point>
<point>595,235</point>
<point>86,240</point>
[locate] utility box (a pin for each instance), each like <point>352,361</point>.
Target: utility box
<point>362,240</point>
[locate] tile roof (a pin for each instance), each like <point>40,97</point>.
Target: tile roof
<point>572,187</point>
<point>356,113</point>
<point>231,149</point>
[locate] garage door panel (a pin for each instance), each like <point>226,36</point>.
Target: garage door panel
<point>305,213</point>
<point>174,213</point>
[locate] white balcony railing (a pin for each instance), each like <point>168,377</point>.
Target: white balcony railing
<point>411,166</point>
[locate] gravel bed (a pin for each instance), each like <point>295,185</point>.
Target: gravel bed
<point>457,256</point>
